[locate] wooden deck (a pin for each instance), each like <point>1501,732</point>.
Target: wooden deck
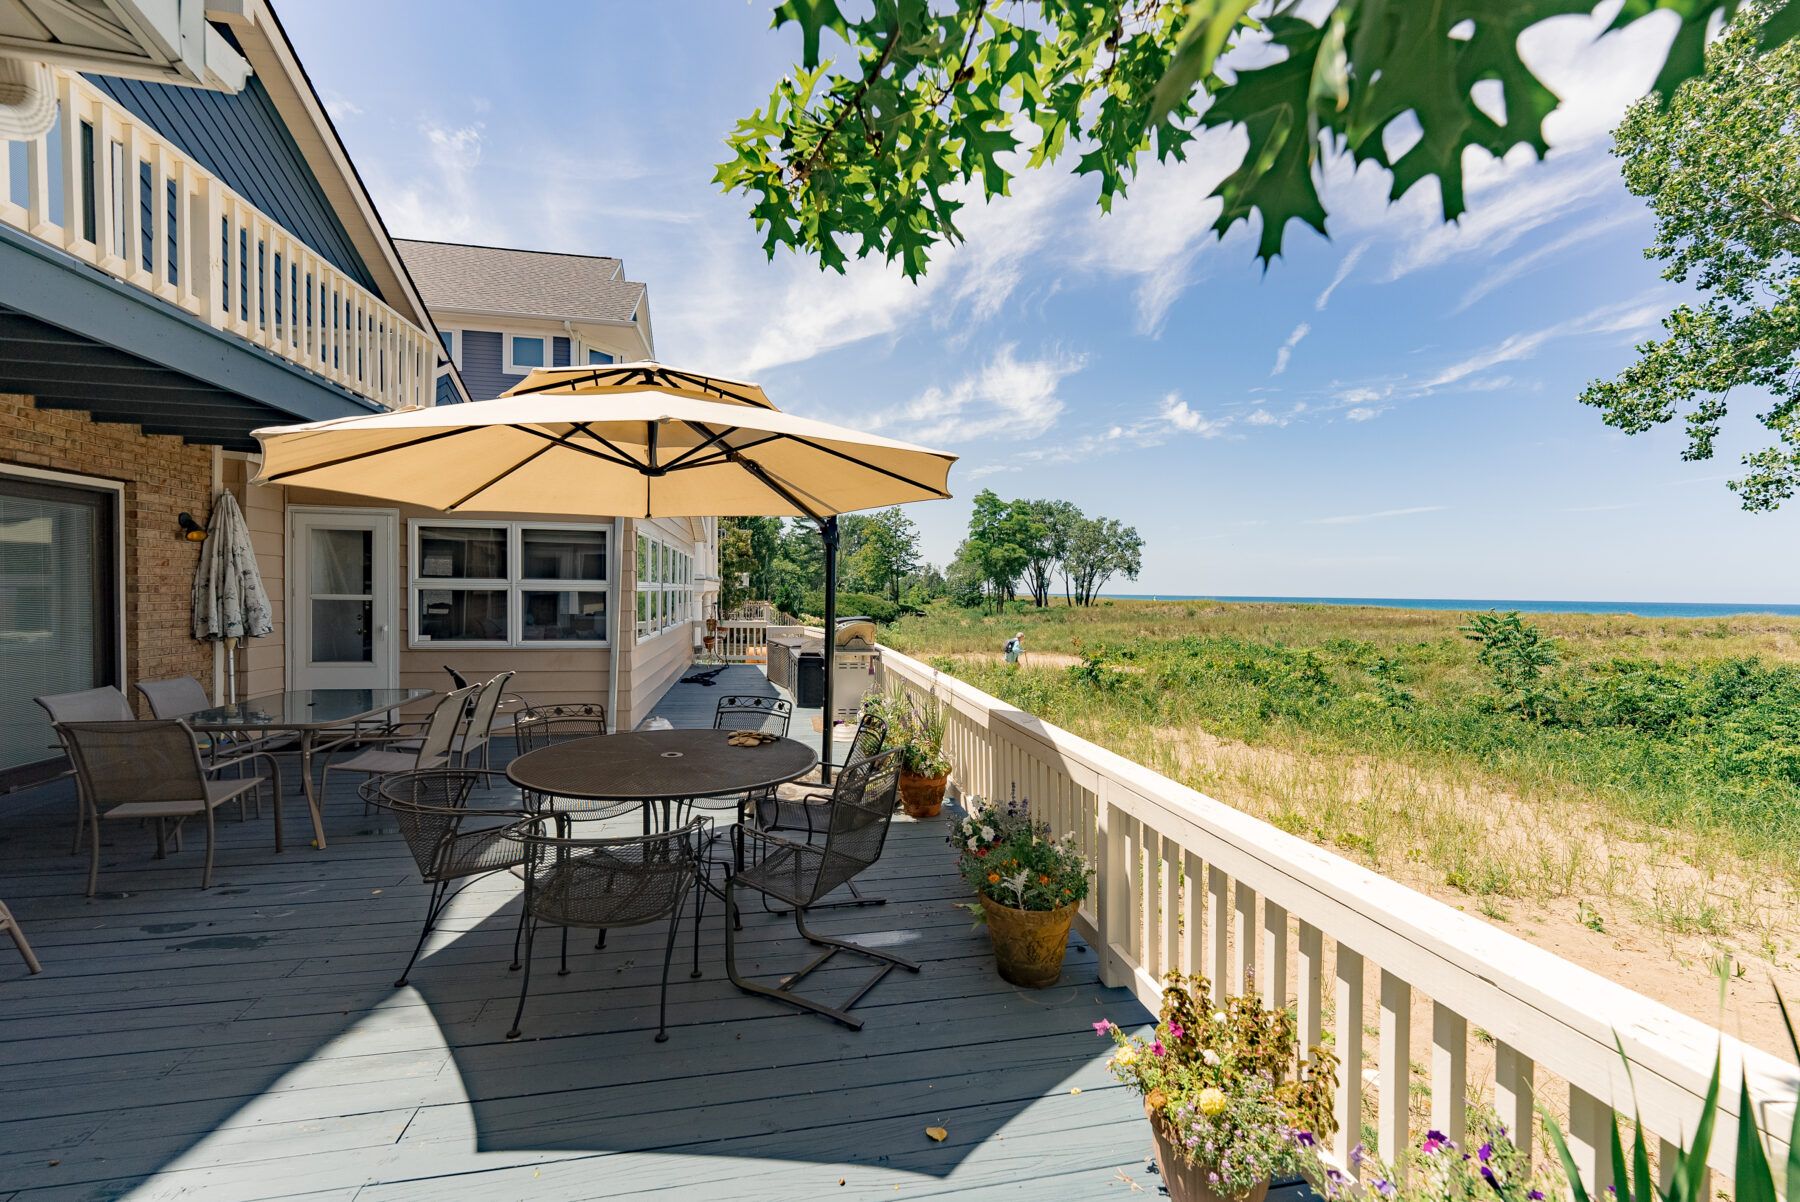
<point>246,1042</point>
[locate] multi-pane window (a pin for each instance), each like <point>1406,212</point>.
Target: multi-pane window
<point>508,584</point>
<point>665,586</point>
<point>526,351</point>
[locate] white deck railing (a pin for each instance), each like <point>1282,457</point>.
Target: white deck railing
<point>1187,883</point>
<point>108,189</point>
<point>742,641</point>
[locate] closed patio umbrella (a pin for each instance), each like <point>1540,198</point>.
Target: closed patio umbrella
<point>573,441</point>
<point>230,602</point>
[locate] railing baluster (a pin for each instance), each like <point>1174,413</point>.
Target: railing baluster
<point>1193,892</point>
<point>1243,959</point>
<point>1150,901</point>
<point>1218,888</point>
<point>1134,869</point>
<point>1275,955</point>
<point>159,221</point>
<point>1348,1016</point>
<point>1449,1071</point>
<point>1515,1095</point>
<point>1590,1141</point>
<point>1171,907</point>
<point>37,188</point>
<point>1310,961</point>
<point>1395,1080</point>
<point>132,207</point>
<point>73,173</point>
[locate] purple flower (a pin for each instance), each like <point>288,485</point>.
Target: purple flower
<point>1435,1141</point>
<point>1384,1187</point>
<point>1485,1152</point>
<point>1176,1031</point>
<point>1489,1175</point>
<point>1103,1027</point>
<point>1157,1049</point>
<point>1304,1139</point>
<point>1536,1195</point>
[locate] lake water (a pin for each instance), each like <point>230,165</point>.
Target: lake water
<point>1642,609</point>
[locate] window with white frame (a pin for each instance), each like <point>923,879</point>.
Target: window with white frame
<point>665,586</point>
<point>526,351</point>
<point>597,358</point>
<point>508,584</point>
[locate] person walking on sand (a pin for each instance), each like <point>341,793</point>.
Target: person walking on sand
<point>1014,646</point>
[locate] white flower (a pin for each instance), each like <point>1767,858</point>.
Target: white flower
<point>1210,1056</point>
<point>987,832</point>
<point>1218,1016</point>
<point>974,843</point>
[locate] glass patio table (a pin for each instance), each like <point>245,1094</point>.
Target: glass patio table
<point>324,719</point>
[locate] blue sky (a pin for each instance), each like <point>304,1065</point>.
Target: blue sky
<point>1388,413</point>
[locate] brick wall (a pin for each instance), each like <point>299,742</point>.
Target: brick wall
<point>163,476</point>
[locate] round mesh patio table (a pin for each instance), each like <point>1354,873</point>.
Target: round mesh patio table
<point>650,766</point>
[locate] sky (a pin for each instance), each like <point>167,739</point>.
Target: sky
<point>1390,412</point>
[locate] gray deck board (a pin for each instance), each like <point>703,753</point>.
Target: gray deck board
<point>247,1042</point>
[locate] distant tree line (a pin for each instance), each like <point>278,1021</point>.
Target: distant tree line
<point>1013,548</point>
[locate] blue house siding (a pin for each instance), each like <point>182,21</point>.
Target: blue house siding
<point>484,361</point>
<point>242,140</point>
<point>446,391</point>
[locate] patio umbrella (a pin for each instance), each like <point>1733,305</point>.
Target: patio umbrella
<point>568,441</point>
<point>230,602</point>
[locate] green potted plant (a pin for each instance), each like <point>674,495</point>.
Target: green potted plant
<point>1228,1104</point>
<point>1028,886</point>
<point>1486,1167</point>
<point>918,731</point>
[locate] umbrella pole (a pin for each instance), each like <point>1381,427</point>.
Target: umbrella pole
<point>828,531</point>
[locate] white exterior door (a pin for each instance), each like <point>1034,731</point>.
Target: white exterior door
<point>342,599</point>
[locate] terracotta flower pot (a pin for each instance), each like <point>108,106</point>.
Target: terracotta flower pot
<point>922,796</point>
<point>1029,945</point>
<point>1186,1182</point>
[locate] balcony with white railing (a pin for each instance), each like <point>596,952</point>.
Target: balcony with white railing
<point>1186,883</point>
<point>108,189</point>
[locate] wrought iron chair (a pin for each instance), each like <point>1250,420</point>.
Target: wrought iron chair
<point>600,884</point>
<point>381,755</point>
<point>802,874</point>
<point>457,829</point>
<point>104,704</point>
<point>811,808</point>
<point>150,769</point>
<point>539,726</point>
<point>771,715</point>
<point>11,926</point>
<point>179,696</point>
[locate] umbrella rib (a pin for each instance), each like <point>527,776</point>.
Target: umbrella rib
<point>681,459</point>
<point>316,467</point>
<point>709,384</point>
<point>541,451</point>
<point>623,459</point>
<point>627,459</point>
<point>711,460</point>
<point>762,474</point>
<point>817,446</point>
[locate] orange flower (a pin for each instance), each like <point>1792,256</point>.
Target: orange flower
<point>993,878</point>
<point>1042,879</point>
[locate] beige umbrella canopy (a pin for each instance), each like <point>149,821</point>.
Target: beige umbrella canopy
<point>619,450</point>
<point>638,438</point>
<point>641,374</point>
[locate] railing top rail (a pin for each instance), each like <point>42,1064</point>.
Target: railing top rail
<point>1562,1015</point>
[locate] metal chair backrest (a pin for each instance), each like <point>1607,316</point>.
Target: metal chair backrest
<point>176,697</point>
<point>768,714</point>
<point>541,725</point>
<point>440,728</point>
<point>152,760</point>
<point>104,704</point>
<point>481,714</point>
<point>610,882</point>
<point>870,738</point>
<point>430,806</point>
<point>861,810</point>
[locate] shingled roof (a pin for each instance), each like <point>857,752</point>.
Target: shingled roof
<point>522,283</point>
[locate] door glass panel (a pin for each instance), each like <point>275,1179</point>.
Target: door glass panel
<point>341,631</point>
<point>56,607</point>
<point>343,563</point>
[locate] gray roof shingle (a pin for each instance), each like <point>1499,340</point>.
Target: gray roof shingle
<point>522,283</point>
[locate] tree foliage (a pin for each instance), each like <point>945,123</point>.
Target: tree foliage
<point>1099,549</point>
<point>1718,167</point>
<point>877,155</point>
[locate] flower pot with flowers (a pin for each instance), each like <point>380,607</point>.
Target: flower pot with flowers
<point>1028,885</point>
<point>1229,1106</point>
<point>918,731</point>
<point>1487,1167</point>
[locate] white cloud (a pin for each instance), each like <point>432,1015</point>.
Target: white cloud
<point>1008,396</point>
<point>1540,255</point>
<point>443,203</point>
<point>1286,351</point>
<point>1345,266</point>
<point>1613,320</point>
<point>1363,413</point>
<point>1262,417</point>
<point>1348,519</point>
<point>1181,416</point>
<point>341,108</point>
